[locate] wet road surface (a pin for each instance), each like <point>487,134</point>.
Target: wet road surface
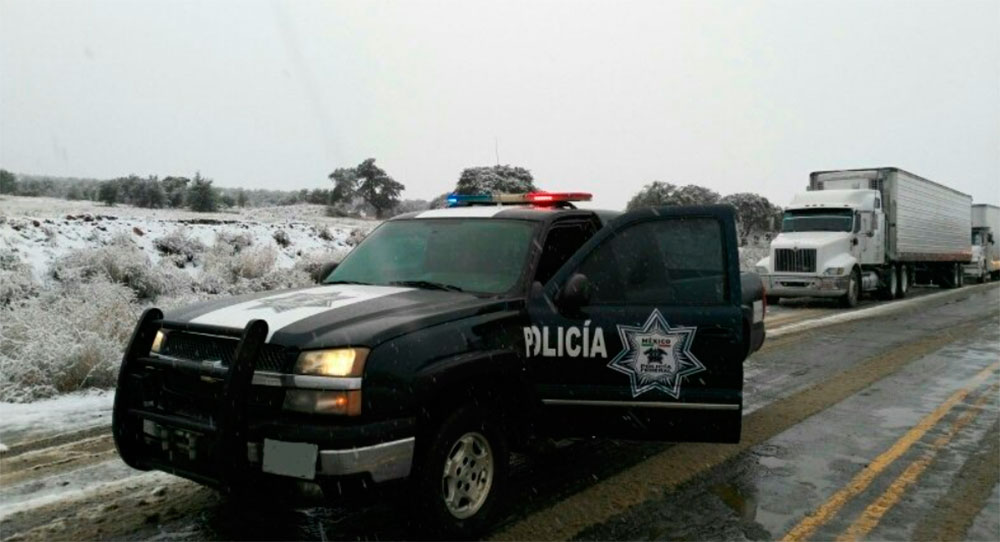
<point>879,428</point>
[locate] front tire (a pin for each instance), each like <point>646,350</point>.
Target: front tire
<point>850,299</point>
<point>461,475</point>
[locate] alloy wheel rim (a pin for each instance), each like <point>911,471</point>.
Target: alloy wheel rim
<point>904,280</point>
<point>853,289</point>
<point>468,475</point>
<point>893,284</point>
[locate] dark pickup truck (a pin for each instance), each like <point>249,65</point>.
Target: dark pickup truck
<point>445,340</point>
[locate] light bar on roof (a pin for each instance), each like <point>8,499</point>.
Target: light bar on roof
<point>536,198</point>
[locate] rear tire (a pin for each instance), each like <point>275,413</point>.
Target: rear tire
<point>904,281</point>
<point>773,300</point>
<point>853,295</point>
<point>461,475</point>
<point>891,288</point>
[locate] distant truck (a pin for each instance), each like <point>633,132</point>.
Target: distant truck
<point>868,230</point>
<point>985,263</point>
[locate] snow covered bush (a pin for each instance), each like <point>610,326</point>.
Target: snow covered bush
<point>65,339</point>
<point>236,240</point>
<point>122,262</point>
<point>16,282</point>
<point>281,237</point>
<point>749,256</point>
<point>179,244</point>
<point>231,266</point>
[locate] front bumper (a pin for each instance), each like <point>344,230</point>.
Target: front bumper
<point>211,424</point>
<point>805,285</point>
<point>383,462</point>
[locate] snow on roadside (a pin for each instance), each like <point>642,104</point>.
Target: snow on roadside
<point>21,422</point>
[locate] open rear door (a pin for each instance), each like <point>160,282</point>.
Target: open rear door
<point>655,351</point>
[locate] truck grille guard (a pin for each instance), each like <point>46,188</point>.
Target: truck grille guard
<point>225,431</point>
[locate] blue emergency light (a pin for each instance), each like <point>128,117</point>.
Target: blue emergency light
<point>541,199</point>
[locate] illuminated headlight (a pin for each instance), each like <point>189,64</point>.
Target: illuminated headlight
<point>761,270</point>
<point>333,362</point>
<point>834,271</point>
<point>158,342</point>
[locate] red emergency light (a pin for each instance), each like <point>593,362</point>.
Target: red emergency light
<point>543,198</point>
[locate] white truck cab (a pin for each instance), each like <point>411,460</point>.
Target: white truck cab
<point>824,236</point>
<point>868,230</point>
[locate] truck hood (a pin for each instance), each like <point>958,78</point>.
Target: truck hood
<point>812,239</point>
<point>337,314</point>
<point>833,248</point>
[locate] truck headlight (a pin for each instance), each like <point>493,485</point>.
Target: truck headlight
<point>761,270</point>
<point>332,362</point>
<point>834,271</point>
<point>158,341</point>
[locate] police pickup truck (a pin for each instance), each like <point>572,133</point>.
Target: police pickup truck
<point>445,340</point>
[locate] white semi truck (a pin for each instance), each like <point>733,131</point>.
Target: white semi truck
<point>868,230</point>
<point>985,262</point>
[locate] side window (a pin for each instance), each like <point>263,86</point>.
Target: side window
<point>561,242</point>
<point>676,261</point>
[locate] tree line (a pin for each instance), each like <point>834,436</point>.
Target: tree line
<point>367,190</point>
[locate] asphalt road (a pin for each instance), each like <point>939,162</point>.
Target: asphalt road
<point>877,423</point>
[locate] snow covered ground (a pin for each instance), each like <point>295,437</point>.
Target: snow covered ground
<point>22,422</point>
<point>75,275</point>
<point>39,230</point>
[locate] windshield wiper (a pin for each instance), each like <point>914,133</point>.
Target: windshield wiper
<point>426,284</point>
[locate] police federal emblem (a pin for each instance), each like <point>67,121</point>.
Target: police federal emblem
<point>656,356</point>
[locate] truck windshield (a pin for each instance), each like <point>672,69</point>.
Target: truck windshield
<point>479,255</point>
<point>818,220</point>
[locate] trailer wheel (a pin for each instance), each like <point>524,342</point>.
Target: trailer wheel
<point>959,275</point>
<point>461,475</point>
<point>904,281</point>
<point>850,299</point>
<point>891,288</point>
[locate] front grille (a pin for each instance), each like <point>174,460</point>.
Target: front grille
<point>795,260</point>
<point>202,347</point>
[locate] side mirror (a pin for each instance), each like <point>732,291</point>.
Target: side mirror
<point>324,271</point>
<point>575,293</point>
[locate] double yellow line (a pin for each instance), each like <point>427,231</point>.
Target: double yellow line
<point>870,518</point>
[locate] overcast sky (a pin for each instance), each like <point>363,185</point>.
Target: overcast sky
<point>603,97</point>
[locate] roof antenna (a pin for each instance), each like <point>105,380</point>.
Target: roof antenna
<point>496,149</point>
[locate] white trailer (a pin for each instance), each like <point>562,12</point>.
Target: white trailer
<point>869,230</point>
<point>985,263</point>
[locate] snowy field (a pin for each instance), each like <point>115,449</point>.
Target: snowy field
<point>74,276</point>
